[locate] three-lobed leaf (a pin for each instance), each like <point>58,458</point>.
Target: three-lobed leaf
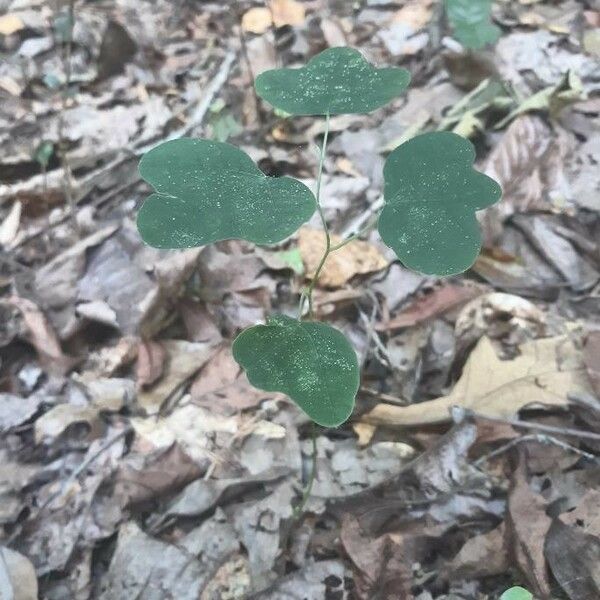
<point>516,593</point>
<point>336,81</point>
<point>313,363</point>
<point>431,194</point>
<point>209,191</point>
<point>471,22</point>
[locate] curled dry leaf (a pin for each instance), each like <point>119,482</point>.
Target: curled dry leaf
<point>43,337</point>
<point>355,258</point>
<point>150,363</point>
<point>544,374</point>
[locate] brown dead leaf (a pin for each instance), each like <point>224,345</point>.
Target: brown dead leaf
<point>481,556</point>
<point>150,363</point>
<point>257,20</point>
<point>184,359</point>
<point>441,299</point>
<point>287,12</point>
<point>223,387</point>
<point>573,557</point>
<point>527,526</point>
<point>520,163</point>
<point>383,562</point>
<point>150,477</point>
<point>355,258</point>
<point>585,515</point>
<point>43,337</point>
<point>545,373</point>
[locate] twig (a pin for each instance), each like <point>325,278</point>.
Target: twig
<point>535,437</point>
<point>84,465</point>
<point>578,433</point>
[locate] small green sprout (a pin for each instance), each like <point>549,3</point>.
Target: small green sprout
<point>471,22</point>
<point>516,593</point>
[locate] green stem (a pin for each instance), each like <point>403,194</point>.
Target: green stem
<point>353,237</point>
<point>311,478</point>
<point>315,277</point>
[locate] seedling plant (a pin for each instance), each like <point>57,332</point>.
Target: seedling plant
<point>207,191</point>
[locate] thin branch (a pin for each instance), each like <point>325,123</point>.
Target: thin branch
<point>578,433</point>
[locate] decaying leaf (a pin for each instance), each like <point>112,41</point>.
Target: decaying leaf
<point>356,258</point>
<point>18,580</point>
<point>53,423</point>
<point>573,557</point>
<point>441,299</point>
<point>222,386</point>
<point>528,525</point>
<point>184,360</point>
<point>544,373</point>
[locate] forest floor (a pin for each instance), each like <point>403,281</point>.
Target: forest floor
<point>136,462</point>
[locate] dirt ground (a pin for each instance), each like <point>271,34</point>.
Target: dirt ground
<point>136,461</point>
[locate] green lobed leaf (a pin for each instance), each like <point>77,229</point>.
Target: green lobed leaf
<point>336,81</point>
<point>516,593</point>
<point>431,194</point>
<point>471,22</point>
<point>208,191</point>
<point>313,363</point>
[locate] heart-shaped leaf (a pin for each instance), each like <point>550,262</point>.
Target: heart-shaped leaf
<point>336,81</point>
<point>431,195</point>
<point>471,21</point>
<point>517,593</point>
<point>313,363</point>
<point>208,191</point>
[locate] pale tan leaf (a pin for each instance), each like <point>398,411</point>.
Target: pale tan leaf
<point>10,226</point>
<point>257,20</point>
<point>355,258</point>
<point>287,12</point>
<point>10,24</point>
<point>55,422</point>
<point>544,374</point>
<point>18,580</point>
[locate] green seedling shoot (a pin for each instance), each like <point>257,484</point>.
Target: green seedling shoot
<point>207,191</point>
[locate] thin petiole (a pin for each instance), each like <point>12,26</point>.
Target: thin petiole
<point>315,277</point>
<point>354,236</point>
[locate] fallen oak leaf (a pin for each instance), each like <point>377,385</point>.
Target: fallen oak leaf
<point>545,373</point>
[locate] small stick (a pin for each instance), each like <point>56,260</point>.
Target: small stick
<point>578,433</point>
